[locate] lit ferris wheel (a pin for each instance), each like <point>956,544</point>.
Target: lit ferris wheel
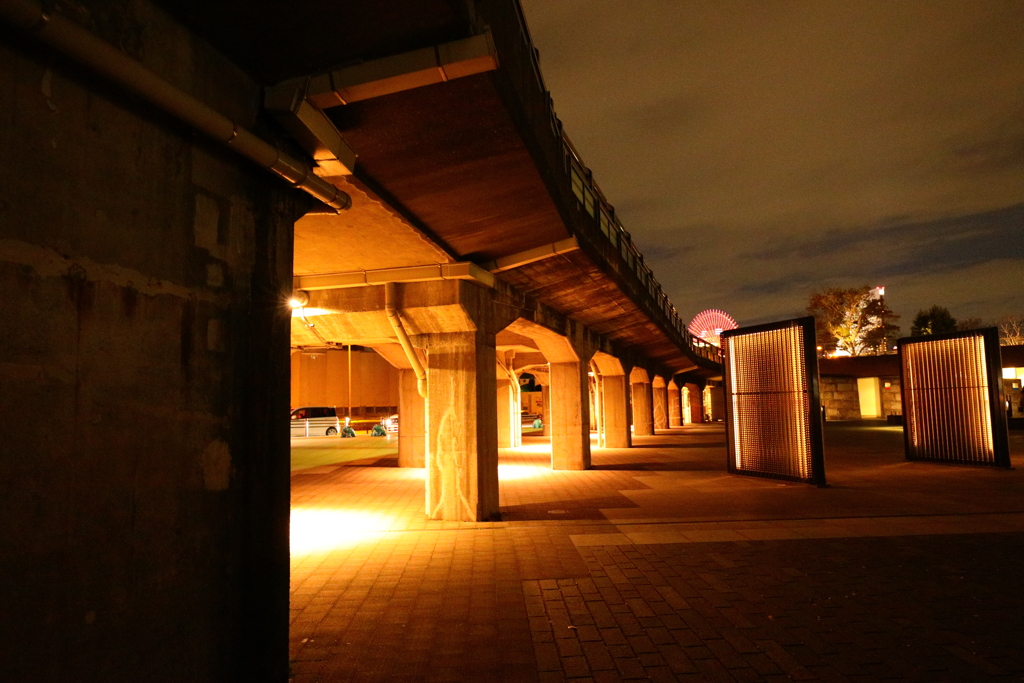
<point>709,324</point>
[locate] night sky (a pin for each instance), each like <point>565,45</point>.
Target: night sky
<point>760,151</point>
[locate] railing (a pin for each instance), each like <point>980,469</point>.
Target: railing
<point>593,203</point>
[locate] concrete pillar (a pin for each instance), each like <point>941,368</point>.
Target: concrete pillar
<point>545,398</point>
<point>643,413</point>
<point>660,407</point>
<point>516,414</point>
<point>715,403</point>
<point>696,399</point>
<point>570,416</point>
<point>596,406</point>
<point>412,425</point>
<point>505,421</point>
<point>462,452</point>
<point>615,415</point>
<point>675,406</point>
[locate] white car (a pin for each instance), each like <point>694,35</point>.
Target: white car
<point>315,421</point>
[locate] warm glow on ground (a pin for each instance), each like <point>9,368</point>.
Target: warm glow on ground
<point>543,447</point>
<point>316,530</point>
<point>514,472</point>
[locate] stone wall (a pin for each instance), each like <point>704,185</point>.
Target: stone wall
<point>891,400</point>
<point>839,397</point>
<point>144,472</point>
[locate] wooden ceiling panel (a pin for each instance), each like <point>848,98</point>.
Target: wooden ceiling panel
<point>450,155</point>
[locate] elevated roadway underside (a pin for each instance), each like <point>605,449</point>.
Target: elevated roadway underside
<point>453,171</point>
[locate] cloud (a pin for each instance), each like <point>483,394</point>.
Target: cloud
<point>760,151</point>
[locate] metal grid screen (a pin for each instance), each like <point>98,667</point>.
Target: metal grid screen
<point>773,416</point>
<point>951,406</point>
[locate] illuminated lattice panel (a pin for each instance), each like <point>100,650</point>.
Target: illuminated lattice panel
<point>773,416</point>
<point>951,406</point>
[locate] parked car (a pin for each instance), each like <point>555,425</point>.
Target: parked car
<point>391,424</point>
<point>315,421</point>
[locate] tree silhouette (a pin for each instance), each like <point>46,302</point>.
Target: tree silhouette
<point>936,320</point>
<point>852,321</point>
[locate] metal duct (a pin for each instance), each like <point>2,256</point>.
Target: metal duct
<point>81,45</point>
<point>403,338</point>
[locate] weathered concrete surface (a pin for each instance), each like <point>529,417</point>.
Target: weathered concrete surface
<point>675,406</point>
<point>412,422</point>
<point>660,392</point>
<point>569,416</point>
<point>370,235</point>
<point>507,412</point>
<point>643,413</point>
<point>695,401</point>
<point>143,373</point>
<point>462,455</point>
<point>615,416</point>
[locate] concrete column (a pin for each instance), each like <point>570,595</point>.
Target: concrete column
<point>615,418</point>
<point>660,407</point>
<point>516,414</point>
<point>675,406</point>
<point>643,413</point>
<point>412,426</point>
<point>462,452</point>
<point>696,403</point>
<point>505,422</point>
<point>570,416</point>
<point>715,403</point>
<point>545,398</point>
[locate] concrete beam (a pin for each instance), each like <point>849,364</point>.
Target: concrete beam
<point>396,73</point>
<point>312,129</point>
<point>532,255</point>
<point>361,278</point>
<point>556,347</point>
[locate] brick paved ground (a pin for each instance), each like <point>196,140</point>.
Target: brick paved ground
<point>658,566</point>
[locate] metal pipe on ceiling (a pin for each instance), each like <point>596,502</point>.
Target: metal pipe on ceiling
<point>403,338</point>
<point>86,48</point>
<point>463,270</point>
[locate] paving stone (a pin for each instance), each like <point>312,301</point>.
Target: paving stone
<point>902,571</point>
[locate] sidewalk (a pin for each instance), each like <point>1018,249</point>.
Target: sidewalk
<point>657,565</point>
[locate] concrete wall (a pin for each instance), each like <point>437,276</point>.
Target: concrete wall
<point>143,373</point>
<point>840,397</point>
<point>322,380</point>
